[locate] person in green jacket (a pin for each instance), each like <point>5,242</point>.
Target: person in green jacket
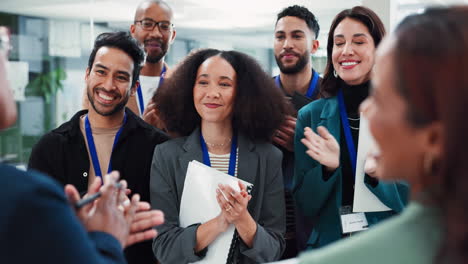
<point>416,114</point>
<point>327,133</point>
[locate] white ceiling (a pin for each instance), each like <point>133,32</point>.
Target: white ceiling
<point>188,13</point>
<point>237,20</point>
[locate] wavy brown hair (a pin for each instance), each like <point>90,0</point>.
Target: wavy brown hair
<point>330,84</point>
<point>259,106</point>
<point>431,59</point>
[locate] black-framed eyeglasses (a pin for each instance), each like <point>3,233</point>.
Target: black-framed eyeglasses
<point>150,24</point>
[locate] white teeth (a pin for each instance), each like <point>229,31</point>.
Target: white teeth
<point>350,63</point>
<point>105,97</point>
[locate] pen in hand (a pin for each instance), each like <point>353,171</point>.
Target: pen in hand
<point>93,197</point>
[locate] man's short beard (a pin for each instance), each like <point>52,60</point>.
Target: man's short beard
<point>116,109</point>
<point>157,58</point>
<point>299,66</point>
<point>154,59</point>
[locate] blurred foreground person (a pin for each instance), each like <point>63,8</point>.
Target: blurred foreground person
<point>39,226</point>
<point>416,111</point>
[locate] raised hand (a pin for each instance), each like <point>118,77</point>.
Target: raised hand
<point>284,136</point>
<point>233,203</point>
<point>150,115</point>
<point>322,147</point>
<point>141,228</point>
<point>234,207</point>
<point>112,213</point>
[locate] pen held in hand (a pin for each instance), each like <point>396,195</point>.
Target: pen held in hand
<point>93,197</point>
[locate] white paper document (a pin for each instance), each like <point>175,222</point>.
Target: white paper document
<point>364,199</point>
<point>199,205</point>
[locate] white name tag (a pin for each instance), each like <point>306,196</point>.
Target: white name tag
<point>353,222</point>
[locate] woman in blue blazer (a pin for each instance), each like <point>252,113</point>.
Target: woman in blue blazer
<point>327,131</point>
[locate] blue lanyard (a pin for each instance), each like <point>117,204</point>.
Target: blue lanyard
<point>140,93</point>
<point>312,85</point>
<point>232,157</point>
<point>92,146</point>
<point>347,131</point>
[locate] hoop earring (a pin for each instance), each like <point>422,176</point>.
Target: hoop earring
<point>335,74</point>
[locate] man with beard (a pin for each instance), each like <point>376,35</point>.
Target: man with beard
<point>153,29</point>
<point>295,40</point>
<point>108,136</point>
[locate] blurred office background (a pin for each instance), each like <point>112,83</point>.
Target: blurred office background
<point>52,39</point>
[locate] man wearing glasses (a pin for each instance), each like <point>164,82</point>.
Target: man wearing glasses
<point>154,30</point>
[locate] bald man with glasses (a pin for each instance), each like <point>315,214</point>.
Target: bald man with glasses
<point>154,30</point>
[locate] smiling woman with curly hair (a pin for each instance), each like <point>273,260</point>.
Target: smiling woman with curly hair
<point>227,109</point>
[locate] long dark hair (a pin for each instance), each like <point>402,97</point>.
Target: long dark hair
<point>259,106</point>
<point>431,59</point>
<point>330,84</point>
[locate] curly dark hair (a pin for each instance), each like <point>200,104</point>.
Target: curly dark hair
<point>259,106</point>
<point>330,84</point>
<point>302,13</point>
<point>124,42</point>
<point>431,61</point>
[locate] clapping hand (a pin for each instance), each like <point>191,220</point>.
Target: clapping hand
<point>322,147</point>
<point>233,203</point>
<point>130,221</point>
<point>284,136</point>
<point>150,115</point>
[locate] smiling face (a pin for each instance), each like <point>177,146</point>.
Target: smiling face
<point>155,43</point>
<point>214,90</point>
<point>293,44</point>
<point>109,81</point>
<point>402,145</point>
<point>353,51</point>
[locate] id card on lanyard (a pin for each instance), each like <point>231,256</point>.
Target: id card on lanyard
<point>92,146</point>
<point>312,85</point>
<point>232,157</point>
<point>140,92</point>
<point>350,222</point>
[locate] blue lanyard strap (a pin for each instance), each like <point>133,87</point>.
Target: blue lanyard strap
<point>140,93</point>
<point>232,157</point>
<point>312,84</point>
<point>347,131</point>
<point>92,146</point>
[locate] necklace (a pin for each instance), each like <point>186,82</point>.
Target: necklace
<point>218,145</point>
<point>354,119</point>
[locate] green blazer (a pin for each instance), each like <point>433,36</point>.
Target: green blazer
<point>414,237</point>
<point>320,199</point>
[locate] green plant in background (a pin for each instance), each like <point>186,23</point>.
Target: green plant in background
<point>47,84</point>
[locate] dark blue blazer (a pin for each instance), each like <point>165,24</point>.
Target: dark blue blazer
<point>37,225</point>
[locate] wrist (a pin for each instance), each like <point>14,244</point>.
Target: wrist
<point>331,168</point>
<point>247,228</point>
<point>221,224</point>
<point>244,220</point>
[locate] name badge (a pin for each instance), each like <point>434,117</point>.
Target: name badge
<point>352,222</point>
